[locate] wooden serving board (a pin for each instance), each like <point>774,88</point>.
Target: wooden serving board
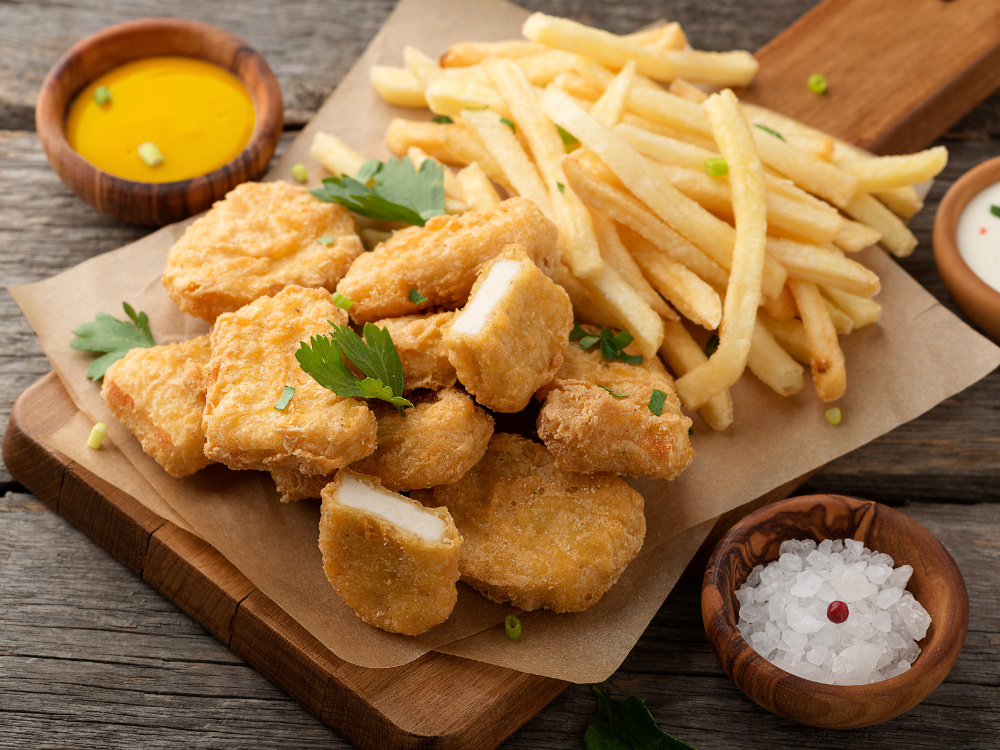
<point>900,72</point>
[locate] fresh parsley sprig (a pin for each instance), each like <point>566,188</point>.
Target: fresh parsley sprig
<point>112,337</point>
<point>390,191</point>
<point>612,344</point>
<point>627,725</point>
<point>375,356</point>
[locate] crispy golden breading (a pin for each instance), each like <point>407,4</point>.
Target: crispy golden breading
<point>590,430</point>
<point>537,536</point>
<point>441,260</point>
<point>149,393</point>
<point>393,561</point>
<point>419,339</point>
<point>261,238</point>
<point>253,359</point>
<point>439,439</point>
<point>508,341</point>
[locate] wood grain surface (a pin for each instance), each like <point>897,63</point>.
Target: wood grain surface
<point>91,656</point>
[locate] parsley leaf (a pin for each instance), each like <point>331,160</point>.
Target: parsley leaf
<point>509,123</point>
<point>568,139</point>
<point>711,345</point>
<point>113,338</point>
<point>612,344</point>
<point>375,355</point>
<point>397,192</point>
<point>766,129</point>
<point>656,401</point>
<point>613,393</point>
<point>416,297</point>
<point>442,119</point>
<point>626,725</point>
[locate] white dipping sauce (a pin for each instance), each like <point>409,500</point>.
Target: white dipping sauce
<point>978,236</point>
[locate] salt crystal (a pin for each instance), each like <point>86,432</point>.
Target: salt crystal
<point>754,578</point>
<point>896,671</point>
<point>882,621</point>
<point>878,574</point>
<point>817,654</point>
<point>914,616</point>
<point>745,595</point>
<point>899,577</point>
<point>801,620</point>
<point>790,562</point>
<point>850,583</point>
<point>752,613</point>
<point>888,597</point>
<point>763,593</point>
<point>825,547</point>
<point>856,664</point>
<point>794,640</point>
<point>806,584</point>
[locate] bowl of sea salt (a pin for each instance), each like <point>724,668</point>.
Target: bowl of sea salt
<point>832,611</point>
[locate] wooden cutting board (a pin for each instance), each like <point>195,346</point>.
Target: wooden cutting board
<point>900,73</point>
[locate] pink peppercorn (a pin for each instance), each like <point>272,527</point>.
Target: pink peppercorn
<point>837,612</point>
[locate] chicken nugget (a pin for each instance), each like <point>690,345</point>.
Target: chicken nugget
<point>439,439</point>
<point>262,237</point>
<point>419,340</point>
<point>253,360</point>
<point>440,261</point>
<point>596,417</point>
<point>509,340</point>
<point>153,393</point>
<point>393,561</point>
<point>536,536</point>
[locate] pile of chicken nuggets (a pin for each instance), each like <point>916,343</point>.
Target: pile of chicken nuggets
<point>411,502</point>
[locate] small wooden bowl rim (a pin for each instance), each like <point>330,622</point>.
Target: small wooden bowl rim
<point>227,50</point>
<point>797,699</point>
<point>979,300</point>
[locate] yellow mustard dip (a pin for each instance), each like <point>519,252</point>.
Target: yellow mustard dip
<point>198,115</point>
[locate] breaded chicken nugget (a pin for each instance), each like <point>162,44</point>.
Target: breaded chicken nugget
<point>262,237</point>
<point>440,260</point>
<point>536,536</point>
<point>589,429</point>
<point>509,340</point>
<point>439,439</point>
<point>253,360</point>
<point>152,392</point>
<point>393,561</point>
<point>419,339</point>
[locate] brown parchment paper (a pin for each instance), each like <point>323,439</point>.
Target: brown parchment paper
<point>917,356</point>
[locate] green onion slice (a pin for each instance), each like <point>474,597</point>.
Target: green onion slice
<point>509,123</point>
<point>833,415</point>
<point>512,626</point>
<point>716,166</point>
<point>300,173</point>
<point>150,154</point>
<point>102,95</point>
<point>286,396</point>
<point>326,240</point>
<point>97,434</point>
<point>344,303</point>
<point>817,83</point>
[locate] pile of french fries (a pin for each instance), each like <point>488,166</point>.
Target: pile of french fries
<point>612,137</point>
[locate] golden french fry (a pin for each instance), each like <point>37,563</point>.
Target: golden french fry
<point>683,354</point>
<point>823,266</point>
<point>904,202</point>
<point>842,322</point>
<point>449,96</point>
<point>479,192</point>
<point>686,90</point>
<point>790,334</point>
<point>336,156</point>
<point>807,171</point>
<point>453,143</point>
<point>891,172</point>
<point>617,256</point>
<point>896,238</point>
<point>826,359</point>
<point>772,365</point>
<point>542,69</point>
<point>696,300</point>
<point>663,37</point>
<point>397,86</point>
<point>610,107</point>
<point>473,53</point>
<point>781,307</point>
<point>612,293</point>
<point>854,236</point>
<point>421,67</point>
<point>743,293</point>
<point>735,68</point>
<point>863,311</point>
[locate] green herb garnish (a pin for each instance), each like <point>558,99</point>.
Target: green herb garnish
<point>817,83</point>
<point>656,401</point>
<point>562,188</point>
<point>102,95</point>
<point>375,355</point>
<point>833,415</point>
<point>113,338</point>
<point>286,396</point>
<point>612,344</point>
<point>568,139</point>
<point>416,297</point>
<point>995,210</point>
<point>344,303</point>
<point>711,345</point>
<point>766,129</point>
<point>626,725</point>
<point>509,123</point>
<point>512,626</point>
<point>326,240</point>
<point>613,393</point>
<point>391,191</point>
<point>716,166</point>
<point>300,173</point>
<point>149,153</point>
<point>442,119</point>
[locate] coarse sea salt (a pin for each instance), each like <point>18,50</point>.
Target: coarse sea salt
<point>783,613</point>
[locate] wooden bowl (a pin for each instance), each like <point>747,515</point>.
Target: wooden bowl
<point>979,300</point>
<point>936,583</point>
<point>147,202</point>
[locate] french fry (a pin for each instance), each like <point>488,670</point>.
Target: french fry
<point>686,90</point>
<point>472,53</point>
<point>739,312</point>
<point>718,68</point>
<point>891,172</point>
<point>896,237</point>
<point>842,322</point>
<point>807,171</point>
<point>336,156</point>
<point>449,96</point>
<point>781,307</point>
<point>822,266</point>
<point>617,256</point>
<point>904,202</point>
<point>696,300</point>
<point>790,334</point>
<point>453,143</point>
<point>826,359</point>
<point>610,107</point>
<point>612,293</point>
<point>572,216</point>
<point>854,236</point>
<point>863,311</point>
<point>542,69</point>
<point>479,192</point>
<point>683,354</point>
<point>663,37</point>
<point>421,67</point>
<point>772,365</point>
<point>397,86</point>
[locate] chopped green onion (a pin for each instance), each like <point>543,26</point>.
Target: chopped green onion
<point>711,345</point>
<point>344,303</point>
<point>509,123</point>
<point>300,173</point>
<point>97,435</point>
<point>833,415</point>
<point>562,188</point>
<point>568,139</point>
<point>102,95</point>
<point>656,401</point>
<point>995,210</point>
<point>716,166</point>
<point>512,626</point>
<point>817,83</point>
<point>326,240</point>
<point>766,129</point>
<point>286,396</point>
<point>442,120</point>
<point>416,297</point>
<point>150,154</point>
<point>613,393</point>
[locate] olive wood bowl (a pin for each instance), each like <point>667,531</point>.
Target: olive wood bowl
<point>936,583</point>
<point>149,202</point>
<point>979,300</point>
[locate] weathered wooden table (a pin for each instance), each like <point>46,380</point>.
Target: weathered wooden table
<point>90,656</point>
